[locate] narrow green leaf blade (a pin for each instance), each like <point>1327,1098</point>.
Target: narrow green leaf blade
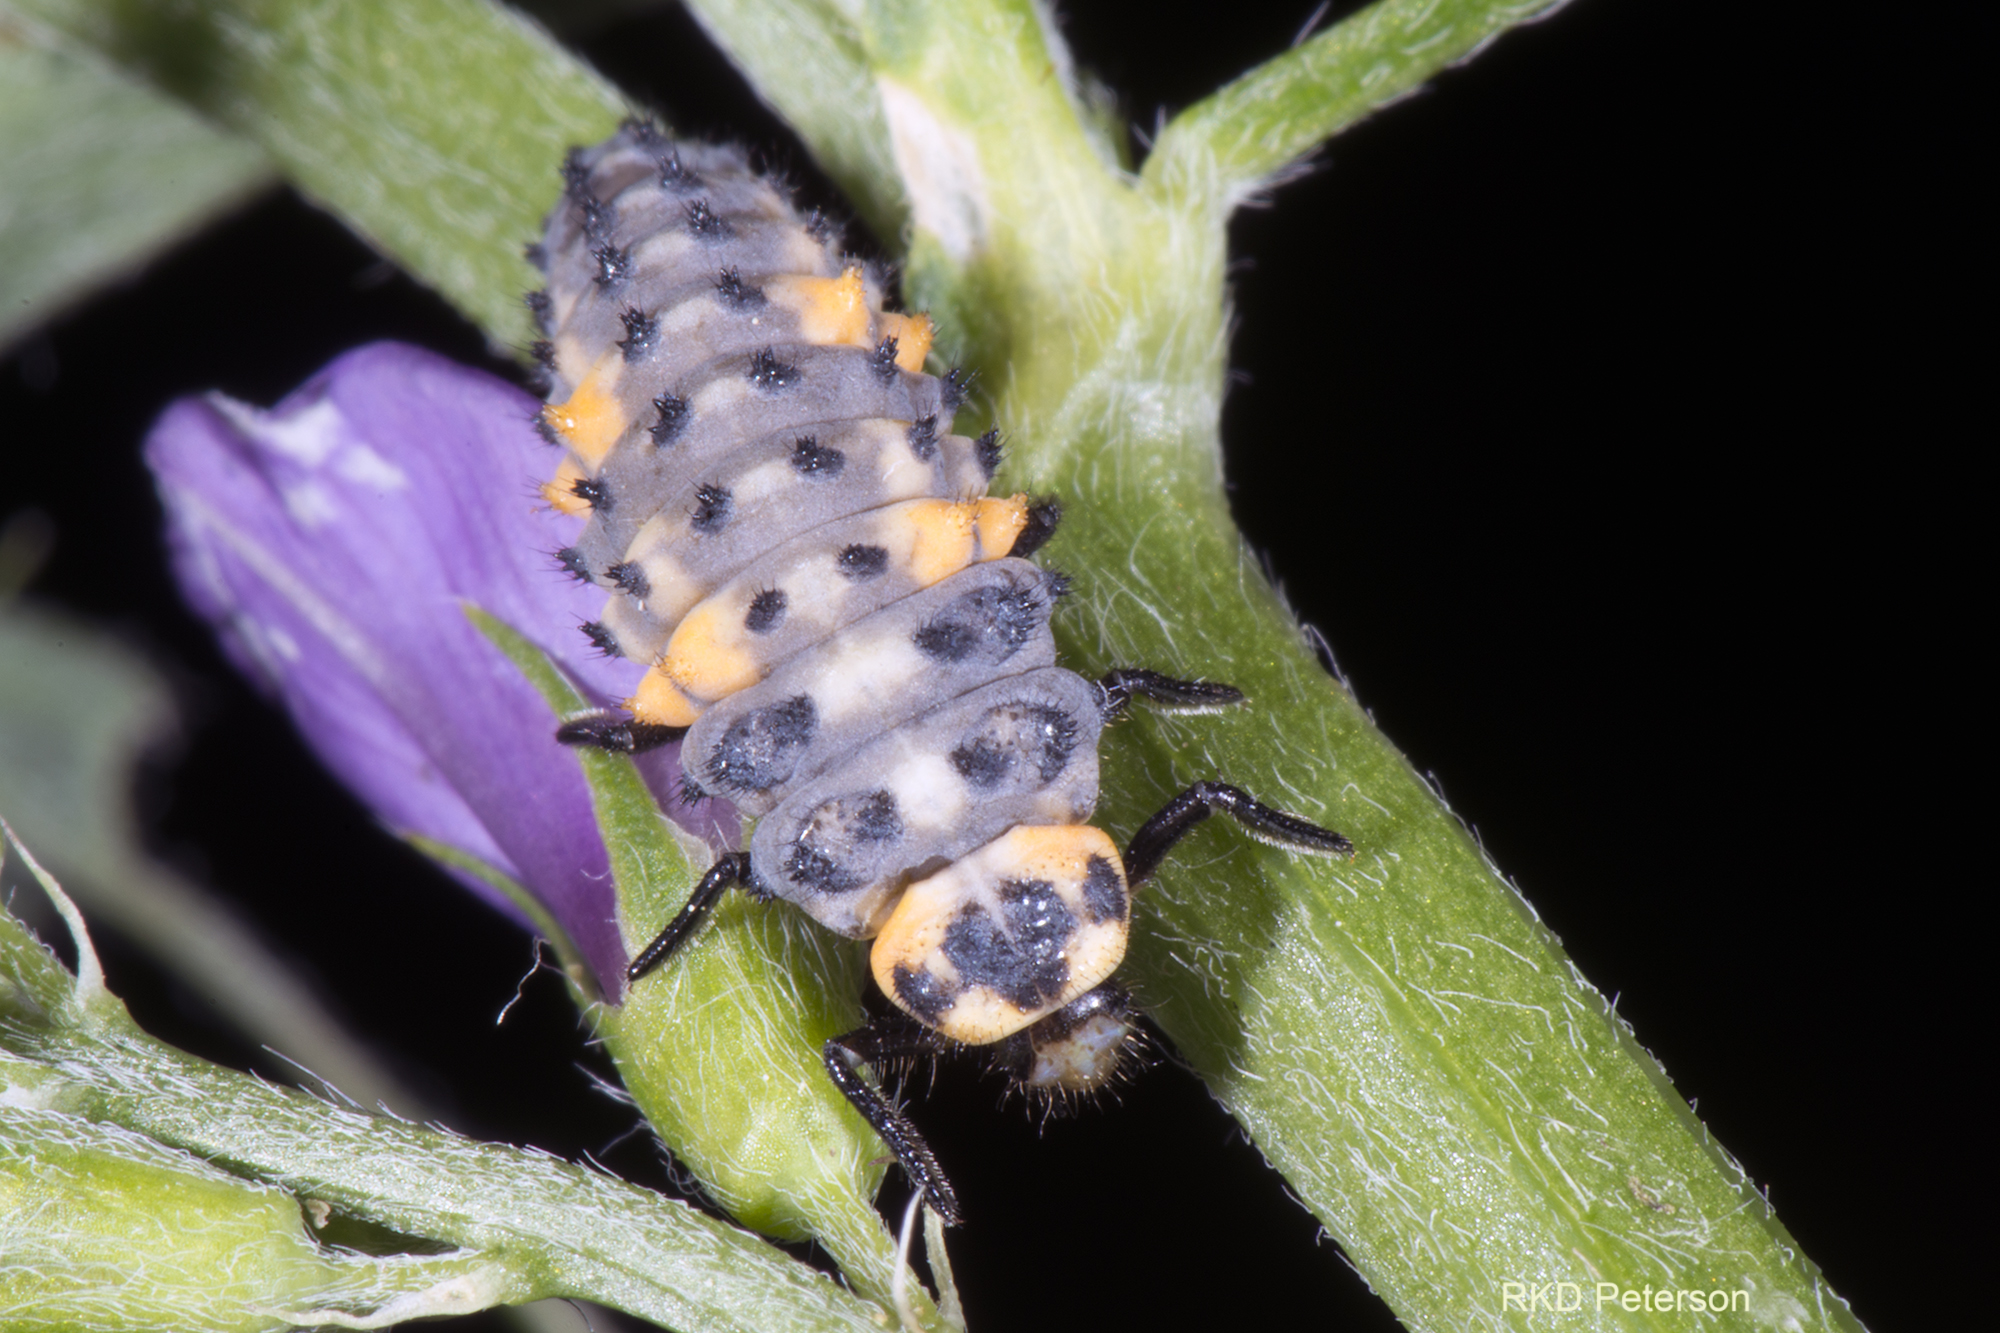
<point>1291,104</point>
<point>101,174</point>
<point>432,127</point>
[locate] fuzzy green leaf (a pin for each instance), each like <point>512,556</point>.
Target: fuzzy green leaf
<point>101,175</point>
<point>525,1226</point>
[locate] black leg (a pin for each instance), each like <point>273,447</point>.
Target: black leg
<point>1158,835</point>
<point>849,1062</point>
<point>725,874</point>
<point>616,732</point>
<point>1163,692</point>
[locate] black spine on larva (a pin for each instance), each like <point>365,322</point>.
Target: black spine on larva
<point>592,492</point>
<point>629,579</point>
<point>812,459</point>
<point>572,563</point>
<point>675,175</point>
<point>642,333</point>
<point>541,308</point>
<point>599,219</point>
<point>576,173</point>
<point>673,410</point>
<point>923,437</point>
<point>767,372</point>
<point>956,384</point>
<point>601,638</point>
<point>987,450</point>
<point>883,360</point>
<point>735,293</point>
<point>704,223</point>
<point>546,429</point>
<point>613,265</point>
<point>544,353</point>
<point>537,254</point>
<point>712,508</point>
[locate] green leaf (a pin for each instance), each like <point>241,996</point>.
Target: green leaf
<point>102,175</point>
<point>84,1092</point>
<point>66,774</point>
<point>1277,113</point>
<point>432,127</point>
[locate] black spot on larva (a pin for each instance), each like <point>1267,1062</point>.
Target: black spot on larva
<point>767,611</point>
<point>712,507</point>
<point>983,763</point>
<point>769,373</point>
<point>599,219</point>
<point>819,226</point>
<point>923,437</point>
<point>812,459</point>
<point>1103,891</point>
<point>676,175</point>
<point>574,564</point>
<point>953,388</point>
<point>877,819</point>
<point>544,352</point>
<point>883,361</point>
<point>706,224</point>
<point>732,291</point>
<point>576,173</point>
<point>761,748</point>
<point>642,334</point>
<point>541,307</point>
<point>601,638</point>
<point>537,254</point>
<point>674,411</point>
<point>860,562</point>
<point>692,792</point>
<point>814,870</point>
<point>923,994</point>
<point>833,831</point>
<point>992,621</point>
<point>630,579</point>
<point>987,450</point>
<point>547,430</point>
<point>1021,961</point>
<point>1026,743</point>
<point>613,265</point>
<point>593,493</point>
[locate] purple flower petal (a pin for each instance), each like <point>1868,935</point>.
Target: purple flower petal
<point>334,542</point>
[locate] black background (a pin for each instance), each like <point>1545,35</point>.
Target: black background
<point>1584,407</point>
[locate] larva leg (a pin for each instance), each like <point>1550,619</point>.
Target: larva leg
<point>1165,692</point>
<point>1157,836</point>
<point>617,733</point>
<point>852,1062</point>
<point>727,873</point>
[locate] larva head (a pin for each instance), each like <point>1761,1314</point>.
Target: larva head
<point>1078,1051</point>
<point>1007,935</point>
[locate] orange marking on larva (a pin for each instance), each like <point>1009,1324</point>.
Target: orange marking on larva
<point>560,490</point>
<point>591,421</point>
<point>942,537</point>
<point>913,335</point>
<point>1000,524</point>
<point>706,657</point>
<point>660,703</point>
<point>1059,853</point>
<point>830,310</point>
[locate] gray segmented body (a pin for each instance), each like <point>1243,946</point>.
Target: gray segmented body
<point>805,556</point>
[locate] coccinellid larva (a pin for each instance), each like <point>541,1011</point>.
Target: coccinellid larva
<point>840,623</point>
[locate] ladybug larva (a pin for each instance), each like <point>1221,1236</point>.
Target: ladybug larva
<point>840,624</point>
